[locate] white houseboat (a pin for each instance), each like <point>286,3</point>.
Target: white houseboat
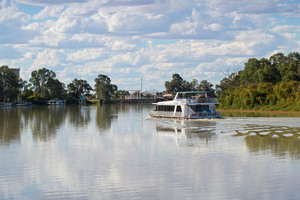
<point>187,105</point>
<point>56,101</point>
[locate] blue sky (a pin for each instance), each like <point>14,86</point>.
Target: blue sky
<point>152,39</point>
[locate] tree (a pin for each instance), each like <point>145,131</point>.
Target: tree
<point>177,84</point>
<point>206,86</point>
<point>249,75</point>
<point>9,85</point>
<point>78,88</point>
<point>121,94</point>
<point>272,84</point>
<point>26,91</point>
<point>56,88</point>
<point>40,80</point>
<point>104,89</point>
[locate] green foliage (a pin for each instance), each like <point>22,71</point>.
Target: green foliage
<point>78,88</point>
<point>10,85</point>
<point>177,84</point>
<point>272,84</point>
<point>120,94</point>
<point>45,84</point>
<point>104,89</point>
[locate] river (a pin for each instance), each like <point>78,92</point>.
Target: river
<point>118,152</point>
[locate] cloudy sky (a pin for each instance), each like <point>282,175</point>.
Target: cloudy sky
<point>130,40</point>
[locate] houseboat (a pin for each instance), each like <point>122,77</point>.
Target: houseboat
<point>23,103</point>
<point>188,105</point>
<point>56,101</point>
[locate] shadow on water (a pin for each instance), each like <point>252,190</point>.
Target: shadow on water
<point>279,140</point>
<point>187,133</point>
<point>10,125</point>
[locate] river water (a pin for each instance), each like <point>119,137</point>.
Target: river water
<point>118,152</point>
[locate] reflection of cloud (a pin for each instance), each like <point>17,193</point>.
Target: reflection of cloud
<point>132,162</point>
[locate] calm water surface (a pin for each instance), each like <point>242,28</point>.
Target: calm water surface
<point>117,152</point>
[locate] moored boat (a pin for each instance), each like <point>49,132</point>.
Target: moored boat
<point>24,103</point>
<point>188,105</point>
<point>6,104</point>
<point>56,101</point>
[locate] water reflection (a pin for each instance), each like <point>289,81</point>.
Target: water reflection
<point>280,140</point>
<point>79,116</point>
<point>188,133</point>
<point>45,121</point>
<point>140,159</point>
<point>104,116</point>
<point>10,125</point>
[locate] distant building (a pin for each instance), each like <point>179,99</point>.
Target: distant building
<point>16,71</point>
<point>153,93</point>
<point>83,99</point>
<point>168,96</point>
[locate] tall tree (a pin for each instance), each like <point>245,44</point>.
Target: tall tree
<point>177,84</point>
<point>78,88</point>
<point>104,89</point>
<point>206,86</point>
<point>40,80</point>
<point>45,84</point>
<point>56,88</point>
<point>9,85</point>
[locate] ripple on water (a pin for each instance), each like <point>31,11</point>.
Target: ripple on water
<point>288,135</point>
<point>264,133</point>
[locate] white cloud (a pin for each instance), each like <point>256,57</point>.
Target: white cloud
<point>213,27</point>
<point>129,39</point>
<point>49,11</point>
<point>48,59</point>
<point>86,54</point>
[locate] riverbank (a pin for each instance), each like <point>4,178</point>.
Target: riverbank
<point>260,111</point>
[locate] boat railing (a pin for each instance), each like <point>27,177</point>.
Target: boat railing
<point>197,100</point>
<point>205,113</point>
<point>166,113</point>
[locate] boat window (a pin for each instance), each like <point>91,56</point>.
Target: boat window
<point>200,108</point>
<point>178,109</point>
<point>165,108</point>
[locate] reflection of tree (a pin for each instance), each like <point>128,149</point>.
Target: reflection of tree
<point>45,121</point>
<point>105,114</point>
<point>193,132</point>
<point>80,116</point>
<point>10,125</point>
<point>280,140</point>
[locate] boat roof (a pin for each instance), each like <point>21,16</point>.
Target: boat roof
<point>193,92</point>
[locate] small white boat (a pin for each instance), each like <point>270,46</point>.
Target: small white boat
<point>56,102</point>
<point>24,104</point>
<point>6,104</point>
<point>187,105</point>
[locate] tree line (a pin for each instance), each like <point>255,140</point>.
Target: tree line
<point>265,84</point>
<point>43,86</point>
<point>177,84</point>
